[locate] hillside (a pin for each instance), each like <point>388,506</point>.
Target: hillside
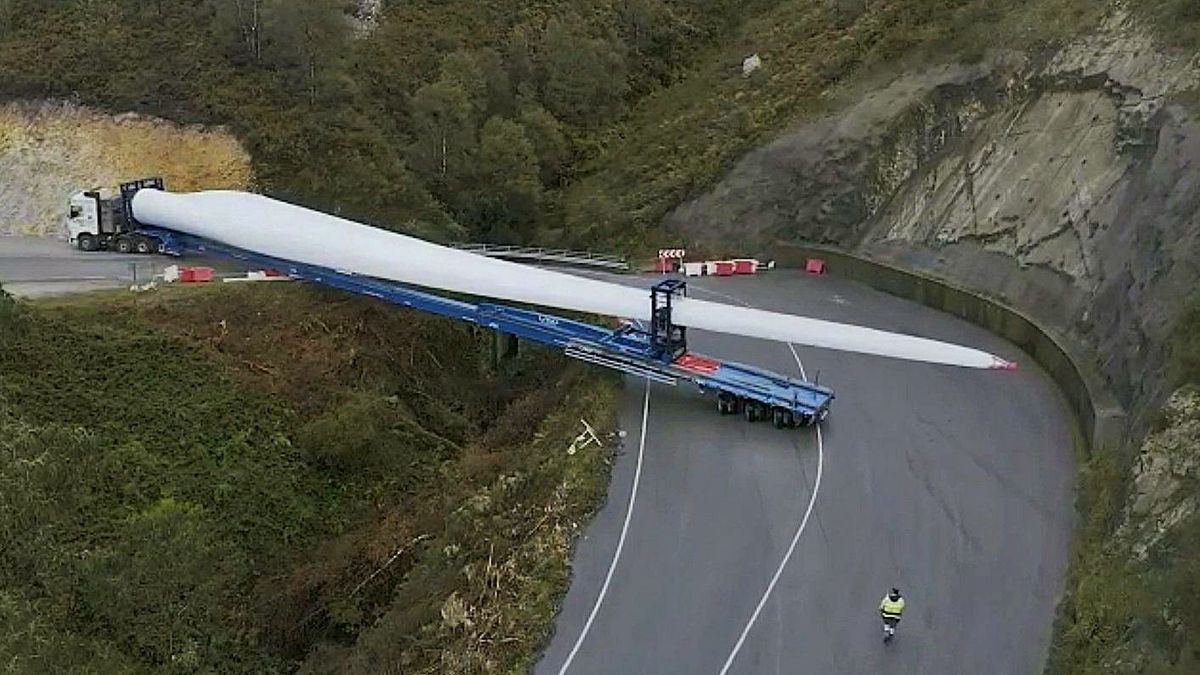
<point>1041,152</point>
<point>50,151</point>
<point>1056,175</point>
<point>271,478</point>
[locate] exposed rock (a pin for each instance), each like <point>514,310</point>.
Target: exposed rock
<point>1165,476</point>
<point>1065,185</point>
<point>365,15</point>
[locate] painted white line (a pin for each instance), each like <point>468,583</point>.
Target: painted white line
<point>812,500</point>
<point>637,476</point>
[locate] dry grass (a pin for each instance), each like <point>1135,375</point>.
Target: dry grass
<point>49,151</point>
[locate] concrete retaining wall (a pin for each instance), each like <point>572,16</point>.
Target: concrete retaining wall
<point>1101,418</point>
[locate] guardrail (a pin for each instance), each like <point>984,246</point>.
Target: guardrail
<point>549,256</point>
<point>1101,417</point>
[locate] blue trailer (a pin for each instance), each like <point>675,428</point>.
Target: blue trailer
<point>657,352</point>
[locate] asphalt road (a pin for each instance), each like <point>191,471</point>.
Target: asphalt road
<point>39,266</point>
<point>954,485</point>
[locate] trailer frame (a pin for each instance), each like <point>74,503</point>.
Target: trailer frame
<point>658,353</point>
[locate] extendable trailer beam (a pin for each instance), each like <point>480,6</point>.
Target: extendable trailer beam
<point>658,353</point>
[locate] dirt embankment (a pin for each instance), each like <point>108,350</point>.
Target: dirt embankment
<point>49,151</point>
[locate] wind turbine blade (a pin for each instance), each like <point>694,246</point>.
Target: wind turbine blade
<point>269,227</point>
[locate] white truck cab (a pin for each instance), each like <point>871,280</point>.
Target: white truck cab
<point>83,219</point>
<point>98,219</point>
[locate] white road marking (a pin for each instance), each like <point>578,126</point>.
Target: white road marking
<point>637,475</point>
<point>812,500</point>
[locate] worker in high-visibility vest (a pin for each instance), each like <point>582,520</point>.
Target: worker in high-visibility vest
<point>891,608</point>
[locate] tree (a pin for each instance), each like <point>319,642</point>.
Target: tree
<point>509,192</point>
<point>309,40</point>
<point>584,78</point>
<point>518,57</point>
<point>462,68</point>
<point>500,92</point>
<point>443,123</point>
<point>656,36</point>
<point>549,144</point>
<point>243,20</point>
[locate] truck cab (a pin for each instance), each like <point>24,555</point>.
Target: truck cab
<point>100,219</point>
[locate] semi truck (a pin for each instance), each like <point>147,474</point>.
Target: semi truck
<point>100,219</point>
<point>656,351</point>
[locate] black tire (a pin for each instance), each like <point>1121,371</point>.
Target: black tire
<point>778,418</point>
<point>750,411</point>
<point>144,245</point>
<point>123,245</point>
<point>87,242</point>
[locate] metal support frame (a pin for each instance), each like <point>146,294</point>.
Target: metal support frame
<point>129,189</point>
<point>668,340</point>
<point>652,354</point>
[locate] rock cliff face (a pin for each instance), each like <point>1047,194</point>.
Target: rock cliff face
<point>1066,184</point>
<point>1163,493</point>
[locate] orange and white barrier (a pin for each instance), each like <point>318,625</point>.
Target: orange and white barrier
<point>725,268</point>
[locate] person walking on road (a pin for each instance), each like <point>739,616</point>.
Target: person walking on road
<point>891,608</point>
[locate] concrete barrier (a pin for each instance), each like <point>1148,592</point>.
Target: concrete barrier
<point>1101,418</point>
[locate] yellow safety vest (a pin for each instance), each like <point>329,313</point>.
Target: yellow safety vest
<point>890,607</point>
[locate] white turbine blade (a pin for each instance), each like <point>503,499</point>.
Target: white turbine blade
<point>268,227</point>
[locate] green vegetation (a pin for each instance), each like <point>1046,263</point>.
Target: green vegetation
<point>1126,607</point>
<point>397,125</point>
<point>679,141</point>
<point>1176,20</point>
<point>439,119</point>
<point>260,479</point>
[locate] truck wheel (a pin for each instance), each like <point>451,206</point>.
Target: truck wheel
<point>143,245</point>
<point>87,242</point>
<point>726,404</point>
<point>751,412</point>
<point>124,245</point>
<point>778,418</point>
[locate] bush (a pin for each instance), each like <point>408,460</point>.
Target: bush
<point>1186,347</point>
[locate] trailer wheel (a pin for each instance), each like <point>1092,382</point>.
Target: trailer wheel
<point>87,242</point>
<point>143,245</point>
<point>753,411</point>
<point>124,245</point>
<point>782,418</point>
<point>726,404</point>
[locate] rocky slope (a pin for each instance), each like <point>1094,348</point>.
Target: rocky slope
<point>49,151</point>
<point>1064,183</point>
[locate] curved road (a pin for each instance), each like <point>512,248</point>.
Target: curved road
<point>955,485</point>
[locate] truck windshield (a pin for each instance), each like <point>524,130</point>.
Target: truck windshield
<point>76,211</point>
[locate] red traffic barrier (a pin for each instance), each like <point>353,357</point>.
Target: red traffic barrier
<point>191,275</point>
<point>814,266</point>
<point>745,266</point>
<point>722,268</point>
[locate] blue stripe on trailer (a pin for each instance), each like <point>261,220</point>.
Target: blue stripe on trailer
<point>629,348</point>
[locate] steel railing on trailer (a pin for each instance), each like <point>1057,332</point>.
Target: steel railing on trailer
<point>553,256</point>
